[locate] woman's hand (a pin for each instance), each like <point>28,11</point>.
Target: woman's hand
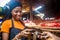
<point>24,33</point>
<point>27,32</point>
<point>49,36</point>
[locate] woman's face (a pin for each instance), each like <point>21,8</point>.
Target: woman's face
<point>17,13</point>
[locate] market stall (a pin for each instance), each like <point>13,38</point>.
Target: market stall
<point>48,26</point>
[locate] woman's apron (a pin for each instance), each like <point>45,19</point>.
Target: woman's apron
<point>14,32</point>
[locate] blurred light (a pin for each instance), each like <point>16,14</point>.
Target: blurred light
<point>38,8</point>
<point>41,15</point>
<point>0,17</point>
<point>3,2</point>
<point>49,18</point>
<point>23,10</point>
<point>52,18</point>
<point>37,11</point>
<point>24,18</point>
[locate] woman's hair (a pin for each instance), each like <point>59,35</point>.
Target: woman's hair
<point>10,6</point>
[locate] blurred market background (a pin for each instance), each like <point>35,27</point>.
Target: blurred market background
<point>35,9</point>
<point>47,8</point>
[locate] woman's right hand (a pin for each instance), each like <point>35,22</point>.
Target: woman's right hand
<point>24,33</point>
<point>27,32</point>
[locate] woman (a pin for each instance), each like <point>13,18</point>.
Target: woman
<point>12,25</point>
